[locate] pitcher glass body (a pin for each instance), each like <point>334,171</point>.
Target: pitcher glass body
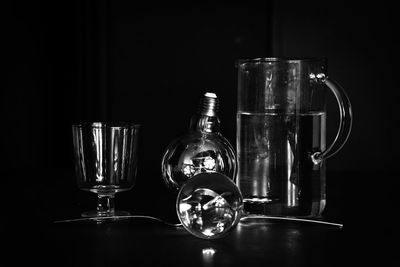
<point>281,134</point>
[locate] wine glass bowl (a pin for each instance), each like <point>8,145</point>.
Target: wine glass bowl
<point>105,162</point>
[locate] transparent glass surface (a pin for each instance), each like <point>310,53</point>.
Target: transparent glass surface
<point>196,153</point>
<point>209,205</point>
<point>105,162</point>
<point>202,150</point>
<point>281,134</point>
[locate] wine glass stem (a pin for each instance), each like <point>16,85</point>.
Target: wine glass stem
<point>105,205</point>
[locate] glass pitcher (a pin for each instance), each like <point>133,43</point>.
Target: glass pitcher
<point>281,134</point>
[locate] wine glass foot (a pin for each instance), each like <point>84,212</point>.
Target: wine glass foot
<point>101,216</point>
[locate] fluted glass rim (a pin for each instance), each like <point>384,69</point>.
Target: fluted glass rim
<point>107,124</point>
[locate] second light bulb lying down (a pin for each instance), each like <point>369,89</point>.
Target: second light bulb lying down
<point>209,205</point>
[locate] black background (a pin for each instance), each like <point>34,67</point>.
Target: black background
<point>71,61</point>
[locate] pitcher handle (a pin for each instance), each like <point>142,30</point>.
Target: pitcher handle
<point>346,118</point>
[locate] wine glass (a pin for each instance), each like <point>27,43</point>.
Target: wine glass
<point>105,162</point>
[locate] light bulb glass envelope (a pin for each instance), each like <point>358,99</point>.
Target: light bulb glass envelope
<point>202,149</point>
<point>209,205</point>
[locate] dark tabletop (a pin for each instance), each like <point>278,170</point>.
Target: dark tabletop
<point>32,236</point>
